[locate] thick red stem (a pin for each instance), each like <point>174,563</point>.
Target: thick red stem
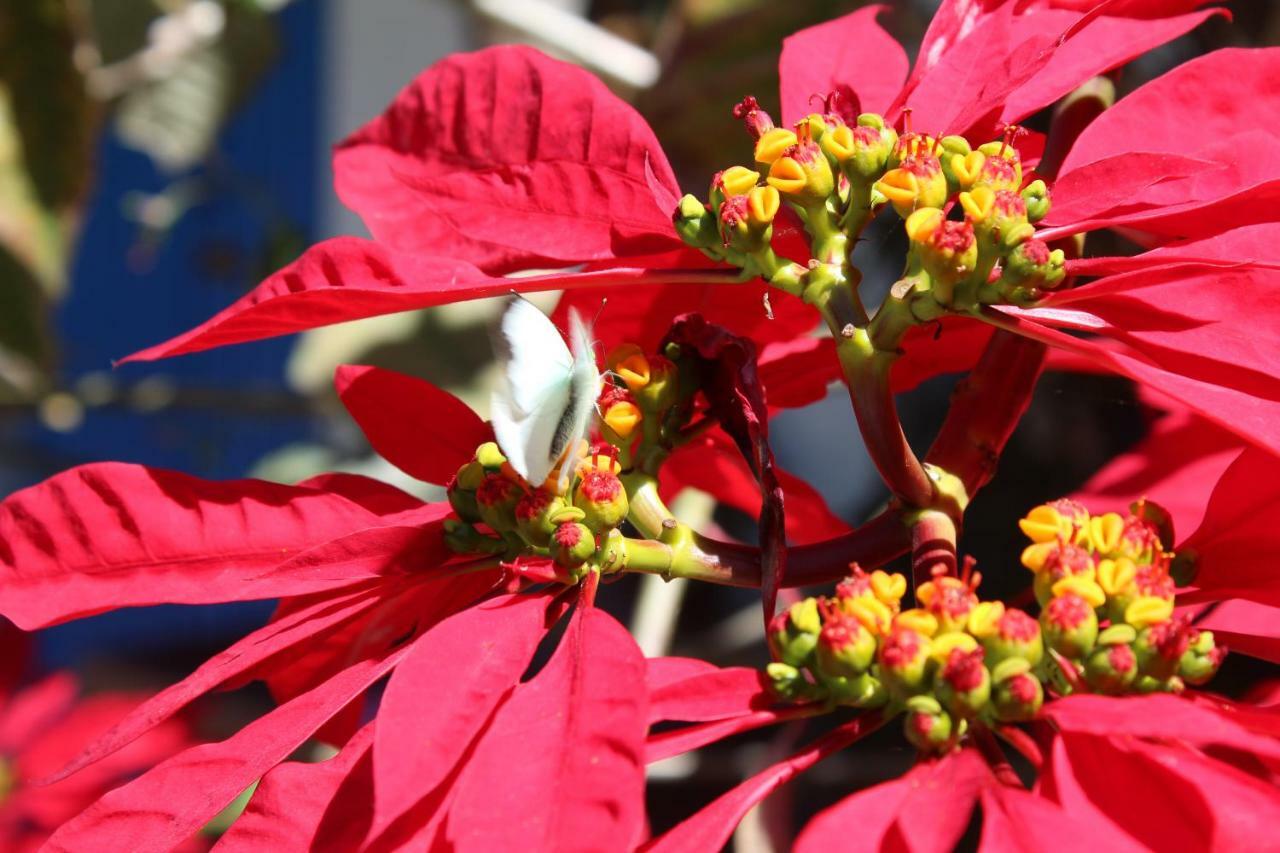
<point>986,407</point>
<point>933,543</point>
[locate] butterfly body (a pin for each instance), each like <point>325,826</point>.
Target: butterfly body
<point>543,405</point>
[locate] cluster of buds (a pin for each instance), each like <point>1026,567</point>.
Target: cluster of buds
<point>954,661</point>
<point>499,513</point>
<point>1107,601</point>
<point>644,403</point>
<point>969,213</point>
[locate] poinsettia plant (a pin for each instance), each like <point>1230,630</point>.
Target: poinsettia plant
<point>724,308</point>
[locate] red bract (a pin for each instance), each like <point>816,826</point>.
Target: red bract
<point>44,725</point>
<point>504,161</point>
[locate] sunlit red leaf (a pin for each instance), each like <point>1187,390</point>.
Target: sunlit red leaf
<point>512,160</point>
<point>164,806</point>
<point>347,278</point>
<point>424,431</point>
<point>562,763</point>
<point>443,694</point>
<point>711,827</point>
<point>113,535</point>
<point>854,52</point>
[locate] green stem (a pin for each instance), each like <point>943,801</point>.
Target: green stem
<point>674,550</point>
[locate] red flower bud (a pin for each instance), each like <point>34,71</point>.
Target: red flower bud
<point>602,498</point>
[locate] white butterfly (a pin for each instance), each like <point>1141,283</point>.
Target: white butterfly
<point>542,408</point>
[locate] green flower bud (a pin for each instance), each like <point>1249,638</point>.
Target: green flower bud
<point>663,389</point>
<point>963,685</point>
<point>572,544</point>
<point>603,500</point>
<point>859,691</point>
<point>904,661</point>
<point>1013,635</point>
<point>928,727</point>
<point>1036,196</point>
<point>534,516</point>
<point>1069,625</point>
<point>789,684</point>
<point>1017,698</point>
<point>1160,647</point>
<point>1200,662</point>
<point>1032,267</point>
<point>462,491</point>
<point>793,633</point>
<point>496,501</point>
<point>695,224</point>
<point>845,648</point>
<point>1111,668</point>
<point>1002,167</point>
<point>462,538</point>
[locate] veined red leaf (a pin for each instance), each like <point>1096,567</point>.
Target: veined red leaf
<point>641,313</point>
<point>1164,797</point>
<point>1017,821</point>
<point>308,624</point>
<point>710,696</point>
<point>29,711</point>
<point>926,809</point>
<point>512,159</point>
<point>1245,627</point>
<point>164,806</point>
<point>1176,465</point>
<point>1236,540</point>
<point>1241,399</point>
<point>688,738</point>
<point>348,279</point>
<point>424,431</point>
<point>374,495</point>
<point>710,828</point>
<point>798,372</point>
<point>660,672</point>
<point>111,535</point>
<point>853,51</point>
<point>1250,245</point>
<point>444,693</point>
<point>562,763</point>
<point>1159,717</point>
<point>287,809</point>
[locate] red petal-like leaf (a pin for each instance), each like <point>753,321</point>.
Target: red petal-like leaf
<point>727,367</point>
<point>164,806</point>
<point>1235,544</point>
<point>25,714</point>
<point>562,765</point>
<point>443,694</point>
<point>1016,821</point>
<point>641,314</point>
<point>1236,107</point>
<point>1158,717</point>
<point>111,535</point>
<point>1250,245</point>
<point>1245,627</point>
<point>688,738</point>
<point>1164,797</point>
<point>927,809</point>
<point>798,372</point>
<point>288,807</point>
<point>711,827</point>
<point>1176,465</point>
<point>660,672</point>
<point>1180,338</point>
<point>511,159</point>
<point>424,431</point>
<point>347,279</point>
<point>309,624</point>
<point>710,696</point>
<point>374,495</point>
<point>853,52</point>
<point>715,466</point>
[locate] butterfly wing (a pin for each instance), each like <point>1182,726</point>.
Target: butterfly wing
<point>543,403</point>
<point>584,389</point>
